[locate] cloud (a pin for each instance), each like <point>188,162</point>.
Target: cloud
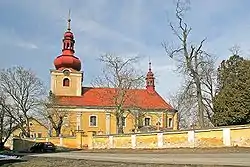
<point>11,37</point>
<point>27,45</point>
<point>123,27</point>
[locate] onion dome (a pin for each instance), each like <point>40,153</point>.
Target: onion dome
<point>67,61</point>
<point>67,58</point>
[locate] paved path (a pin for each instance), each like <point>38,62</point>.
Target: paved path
<point>241,159</point>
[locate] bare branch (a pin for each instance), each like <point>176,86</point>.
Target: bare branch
<point>235,50</point>
<point>120,75</point>
<point>24,92</point>
<point>193,62</point>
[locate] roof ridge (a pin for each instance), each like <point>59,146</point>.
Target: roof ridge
<point>112,88</point>
<point>104,97</point>
<point>163,99</point>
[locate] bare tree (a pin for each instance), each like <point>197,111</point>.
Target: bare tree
<point>208,79</point>
<point>121,75</point>
<point>7,125</point>
<point>184,104</point>
<point>138,115</point>
<point>235,50</point>
<point>23,90</point>
<point>194,62</point>
<point>52,114</point>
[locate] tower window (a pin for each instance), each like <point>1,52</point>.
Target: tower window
<point>66,82</point>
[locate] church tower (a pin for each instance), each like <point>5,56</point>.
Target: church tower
<point>150,80</point>
<point>67,77</point>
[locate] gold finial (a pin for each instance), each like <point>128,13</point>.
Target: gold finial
<point>69,21</point>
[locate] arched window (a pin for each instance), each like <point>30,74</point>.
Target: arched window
<point>66,82</point>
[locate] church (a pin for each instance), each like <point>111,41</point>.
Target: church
<point>92,108</point>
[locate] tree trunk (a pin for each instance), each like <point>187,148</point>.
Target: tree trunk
<point>119,124</point>
<point>58,131</point>
<point>1,145</point>
<point>2,129</point>
<point>138,123</point>
<point>27,132</point>
<point>200,104</point>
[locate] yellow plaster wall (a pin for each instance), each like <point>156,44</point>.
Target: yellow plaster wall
<point>175,121</point>
<point>16,132</point>
<point>240,137</point>
<point>175,140</point>
<point>164,116</point>
<point>101,142</point>
<point>70,142</point>
<point>101,122</point>
<point>57,83</point>
<point>202,138</point>
<point>130,122</point>
<point>35,128</point>
<point>113,128</point>
<point>122,141</point>
<point>54,140</point>
<point>211,138</point>
<point>38,128</point>
<point>146,141</point>
<point>154,117</point>
<point>69,127</point>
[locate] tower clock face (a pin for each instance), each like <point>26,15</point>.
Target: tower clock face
<point>66,72</point>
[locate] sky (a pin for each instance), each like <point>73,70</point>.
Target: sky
<point>31,33</point>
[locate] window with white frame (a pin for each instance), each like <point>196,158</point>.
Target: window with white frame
<point>92,120</point>
<point>170,122</point>
<point>147,121</point>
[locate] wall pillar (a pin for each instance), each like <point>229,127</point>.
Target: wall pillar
<point>90,139</point>
<point>79,121</point>
<point>108,115</point>
<point>175,121</point>
<point>160,140</point>
<point>227,136</point>
<point>11,141</point>
<point>80,140</point>
<point>166,120</point>
<point>191,138</point>
<point>61,141</point>
<point>133,141</point>
<point>111,141</point>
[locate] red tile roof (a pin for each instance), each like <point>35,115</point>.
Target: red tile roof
<point>105,97</point>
